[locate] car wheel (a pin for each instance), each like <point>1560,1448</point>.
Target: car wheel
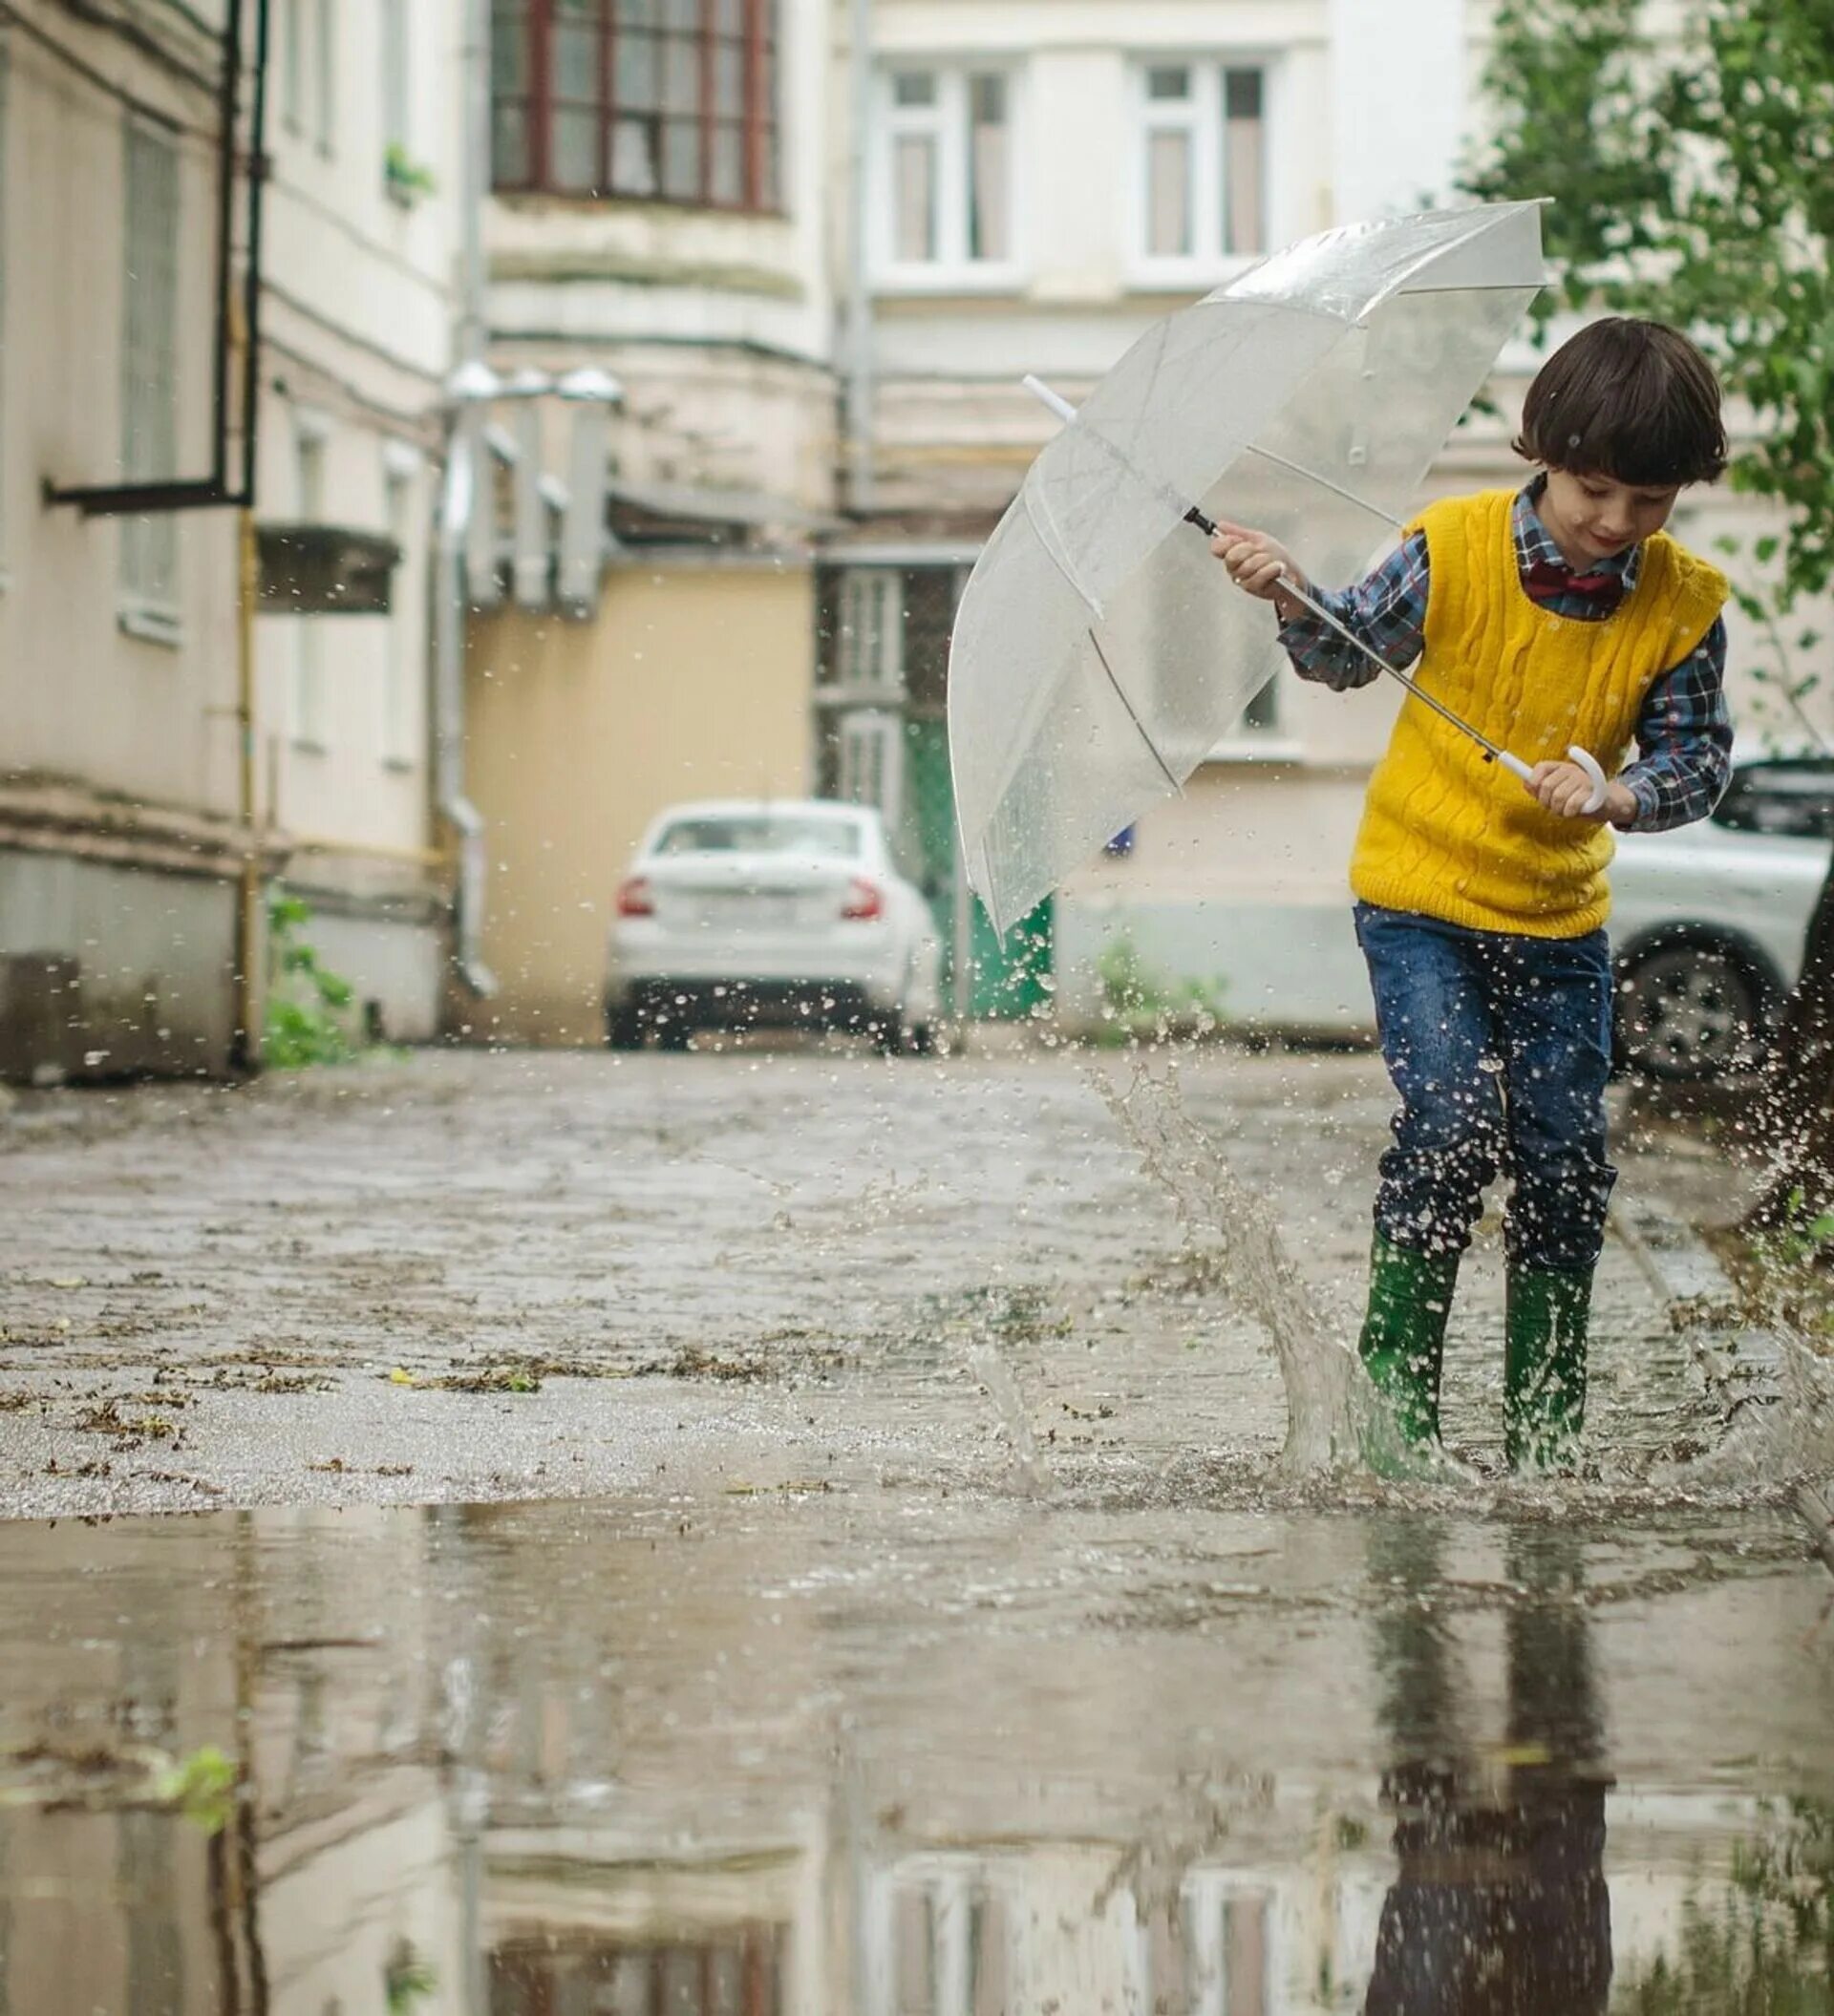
<point>1688,1010</point>
<point>888,1034</point>
<point>921,1039</point>
<point>623,1028</point>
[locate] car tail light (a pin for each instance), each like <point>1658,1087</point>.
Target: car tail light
<point>864,900</point>
<point>634,898</point>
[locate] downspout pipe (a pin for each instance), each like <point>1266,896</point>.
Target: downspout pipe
<point>462,493</point>
<point>213,491</point>
<point>859,386</point>
<point>458,495</point>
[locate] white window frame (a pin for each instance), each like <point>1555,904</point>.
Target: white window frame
<point>946,122</point>
<point>869,649</point>
<point>400,481</point>
<point>292,65</point>
<point>309,709</point>
<point>1269,740</point>
<point>1205,1902</point>
<point>149,549</point>
<point>325,78</point>
<point>395,68</point>
<point>871,766</point>
<point>1202,117</point>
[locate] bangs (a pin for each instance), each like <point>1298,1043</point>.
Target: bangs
<point>1635,401</point>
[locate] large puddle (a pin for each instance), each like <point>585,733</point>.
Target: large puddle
<point>822,1752</point>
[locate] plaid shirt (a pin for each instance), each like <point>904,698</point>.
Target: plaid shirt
<point>1683,732</point>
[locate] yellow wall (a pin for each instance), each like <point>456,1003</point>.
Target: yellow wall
<point>691,682</point>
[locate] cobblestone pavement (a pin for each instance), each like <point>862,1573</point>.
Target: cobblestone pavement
<point>464,1276</point>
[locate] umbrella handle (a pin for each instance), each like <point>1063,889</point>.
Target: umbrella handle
<point>1584,757</point>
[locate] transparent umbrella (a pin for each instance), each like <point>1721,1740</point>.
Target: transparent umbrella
<point>1100,654</point>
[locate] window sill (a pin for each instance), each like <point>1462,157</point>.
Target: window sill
<point>1185,276</point>
<point>1007,279</point>
<point>873,696</point>
<point>151,625</point>
<point>1257,749</point>
<point>524,194</point>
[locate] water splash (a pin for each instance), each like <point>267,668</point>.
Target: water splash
<point>1327,1400</point>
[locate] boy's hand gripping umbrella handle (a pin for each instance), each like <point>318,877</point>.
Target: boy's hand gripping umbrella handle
<point>1494,751</point>
<point>1207,525</point>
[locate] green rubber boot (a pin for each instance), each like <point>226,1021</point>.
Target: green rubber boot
<point>1543,1366</point>
<point>1404,1341</point>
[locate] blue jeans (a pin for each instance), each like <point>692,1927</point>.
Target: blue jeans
<point>1499,1047</point>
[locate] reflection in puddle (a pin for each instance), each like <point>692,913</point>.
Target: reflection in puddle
<point>896,1759</point>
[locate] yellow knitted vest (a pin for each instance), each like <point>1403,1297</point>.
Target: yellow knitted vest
<point>1450,835</point>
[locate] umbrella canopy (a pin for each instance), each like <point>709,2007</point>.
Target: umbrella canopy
<point>1100,654</point>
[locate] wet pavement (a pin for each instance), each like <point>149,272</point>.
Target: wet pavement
<point>534,1275</point>
<point>800,1535</point>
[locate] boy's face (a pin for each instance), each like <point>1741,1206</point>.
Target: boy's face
<point>1595,516</point>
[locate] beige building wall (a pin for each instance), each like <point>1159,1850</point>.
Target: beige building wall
<point>691,681</point>
<point>90,688</point>
<point>117,775</point>
<point>357,339</point>
<point>120,833</point>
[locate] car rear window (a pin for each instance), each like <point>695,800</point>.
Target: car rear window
<point>1782,796</point>
<point>833,839</point>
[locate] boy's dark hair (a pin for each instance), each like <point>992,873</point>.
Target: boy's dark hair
<point>1628,399</point>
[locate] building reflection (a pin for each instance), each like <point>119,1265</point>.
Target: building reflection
<point>647,1809</point>
<point>736,1973</point>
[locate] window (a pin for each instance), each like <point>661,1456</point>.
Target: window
<point>398,91</point>
<point>1202,163</point>
<point>149,374</point>
<point>398,667</point>
<point>871,770</point>
<point>324,123</point>
<point>310,723</point>
<point>945,171</point>
<point>669,100</point>
<point>292,64</point>
<point>869,646</point>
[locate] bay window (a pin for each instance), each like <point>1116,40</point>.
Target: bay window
<point>662,100</point>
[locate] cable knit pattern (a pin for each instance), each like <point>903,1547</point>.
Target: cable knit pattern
<point>1447,833</point>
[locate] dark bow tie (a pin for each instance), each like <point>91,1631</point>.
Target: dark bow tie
<point>1546,581</point>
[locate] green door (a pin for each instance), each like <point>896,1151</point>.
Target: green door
<point>1009,976</point>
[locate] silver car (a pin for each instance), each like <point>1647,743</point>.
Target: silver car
<point>1708,922</point>
<point>740,913</point>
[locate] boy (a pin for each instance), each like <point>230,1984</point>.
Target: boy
<point>1561,614</point>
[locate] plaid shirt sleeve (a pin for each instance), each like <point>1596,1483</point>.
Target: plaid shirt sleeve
<point>1387,610</point>
<point>1683,740</point>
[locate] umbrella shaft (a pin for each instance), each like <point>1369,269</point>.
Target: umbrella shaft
<point>1492,750</point>
<point>1205,524</point>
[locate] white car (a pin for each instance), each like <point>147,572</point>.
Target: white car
<point>1708,921</point>
<point>783,912</point>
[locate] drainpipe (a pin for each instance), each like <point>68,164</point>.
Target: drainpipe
<point>860,375</point>
<point>245,1040</point>
<point>460,495</point>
